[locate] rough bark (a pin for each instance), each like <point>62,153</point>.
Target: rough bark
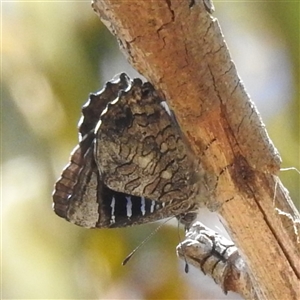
<point>178,46</point>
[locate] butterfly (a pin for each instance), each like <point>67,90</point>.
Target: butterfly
<point>131,165</point>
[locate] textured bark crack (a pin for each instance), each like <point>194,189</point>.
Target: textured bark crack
<point>171,10</point>
<point>270,225</point>
<point>167,23</point>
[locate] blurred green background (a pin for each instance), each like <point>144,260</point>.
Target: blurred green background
<point>53,55</point>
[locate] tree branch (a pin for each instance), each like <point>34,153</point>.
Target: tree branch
<point>178,46</point>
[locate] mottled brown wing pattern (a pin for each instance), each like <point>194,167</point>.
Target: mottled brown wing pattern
<point>139,149</point>
<point>81,197</point>
<point>130,151</point>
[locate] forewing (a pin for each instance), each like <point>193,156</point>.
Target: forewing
<point>139,149</point>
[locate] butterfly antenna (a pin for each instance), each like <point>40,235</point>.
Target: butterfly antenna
<point>128,257</point>
<point>186,267</point>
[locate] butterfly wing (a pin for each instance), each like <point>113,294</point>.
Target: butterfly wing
<point>139,150</point>
<point>129,151</point>
<point>81,197</point>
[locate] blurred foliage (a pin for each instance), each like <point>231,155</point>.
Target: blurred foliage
<point>53,55</point>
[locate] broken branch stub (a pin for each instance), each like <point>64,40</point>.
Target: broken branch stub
<point>217,257</point>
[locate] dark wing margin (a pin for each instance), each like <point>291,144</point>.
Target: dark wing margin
<point>93,108</point>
